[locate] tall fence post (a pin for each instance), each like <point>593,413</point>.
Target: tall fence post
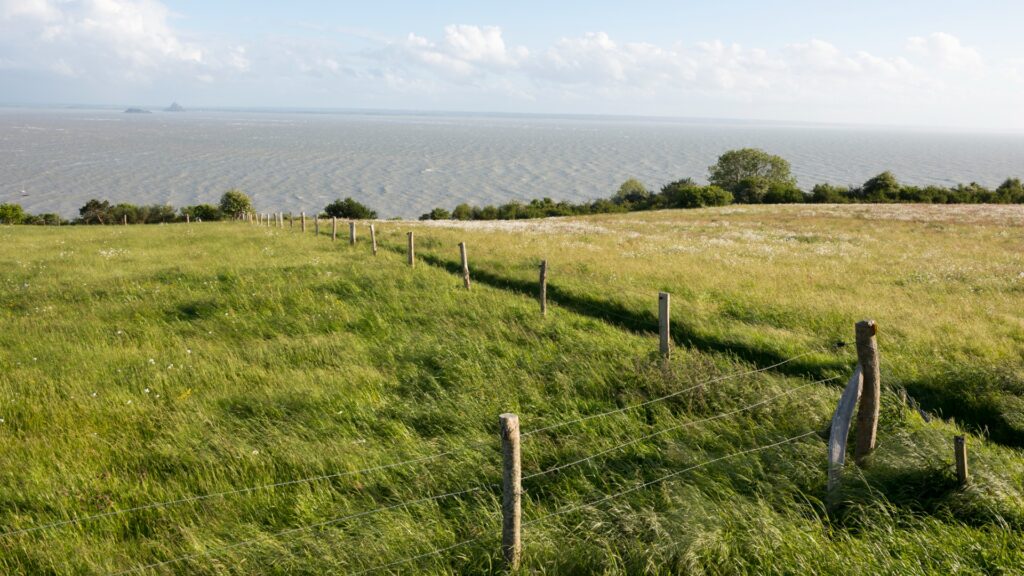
<point>373,238</point>
<point>465,264</point>
<point>512,490</point>
<point>303,221</point>
<point>867,412</point>
<point>188,218</point>
<point>960,450</point>
<point>352,232</point>
<point>543,294</point>
<point>125,219</point>
<point>412,249</point>
<point>316,225</point>
<point>334,228</point>
<point>665,344</point>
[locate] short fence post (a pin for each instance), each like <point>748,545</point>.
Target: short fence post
<point>373,238</point>
<point>352,233</point>
<point>334,228</point>
<point>303,221</point>
<point>960,450</point>
<point>412,250</point>
<point>316,225</point>
<point>188,218</point>
<point>465,264</point>
<point>867,411</point>
<point>665,345</point>
<point>543,295</point>
<point>125,219</point>
<point>512,490</point>
<point>291,220</point>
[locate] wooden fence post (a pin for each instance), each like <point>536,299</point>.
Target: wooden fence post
<point>291,220</point>
<point>512,490</point>
<point>316,225</point>
<point>373,238</point>
<point>543,295</point>
<point>303,221</point>
<point>125,219</point>
<point>334,228</point>
<point>960,450</point>
<point>867,411</point>
<point>412,250</point>
<point>352,232</point>
<point>665,343</point>
<point>188,218</point>
<point>465,264</point>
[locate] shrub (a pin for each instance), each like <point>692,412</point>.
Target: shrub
<point>829,194</point>
<point>12,214</point>
<point>235,203</point>
<point>349,208</point>
<point>631,191</point>
<point>203,212</point>
<point>780,193</point>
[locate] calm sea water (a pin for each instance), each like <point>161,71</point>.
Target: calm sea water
<point>405,164</point>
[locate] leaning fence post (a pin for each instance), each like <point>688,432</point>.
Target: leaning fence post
<point>465,264</point>
<point>334,228</point>
<point>373,238</point>
<point>960,450</point>
<point>543,295</point>
<point>352,232</point>
<point>867,412</point>
<point>663,324</point>
<point>512,490</point>
<point>412,250</point>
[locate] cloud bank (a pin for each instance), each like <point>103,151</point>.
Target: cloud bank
<point>134,47</point>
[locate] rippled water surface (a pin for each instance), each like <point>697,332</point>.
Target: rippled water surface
<point>405,164</point>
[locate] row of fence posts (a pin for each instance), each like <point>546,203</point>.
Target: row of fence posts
<point>868,408</point>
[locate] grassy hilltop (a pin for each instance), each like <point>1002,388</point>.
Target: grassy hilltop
<point>147,364</point>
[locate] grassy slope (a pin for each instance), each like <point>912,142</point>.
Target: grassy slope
<point>145,364</point>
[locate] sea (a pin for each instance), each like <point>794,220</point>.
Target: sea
<point>405,163</point>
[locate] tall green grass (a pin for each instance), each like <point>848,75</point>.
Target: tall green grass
<point>147,364</point>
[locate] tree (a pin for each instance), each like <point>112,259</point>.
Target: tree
<point>462,212</point>
<point>631,191</point>
<point>349,208</point>
<point>1010,191</point>
<point>784,194</point>
<point>829,194</point>
<point>235,203</point>
<point>95,212</point>
<point>202,212</point>
<point>749,168</point>
<point>881,188</point>
<point>436,214</point>
<point>12,214</point>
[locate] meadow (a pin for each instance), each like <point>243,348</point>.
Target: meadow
<point>224,398</point>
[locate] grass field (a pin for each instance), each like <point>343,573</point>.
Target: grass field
<point>150,364</point>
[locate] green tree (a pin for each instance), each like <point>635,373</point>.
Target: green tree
<point>829,194</point>
<point>750,168</point>
<point>881,188</point>
<point>202,212</point>
<point>1010,191</point>
<point>631,191</point>
<point>462,212</point>
<point>235,203</point>
<point>349,208</point>
<point>784,194</point>
<point>12,214</point>
<point>95,212</point>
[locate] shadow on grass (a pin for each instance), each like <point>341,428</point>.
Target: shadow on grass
<point>622,316</point>
<point>973,401</point>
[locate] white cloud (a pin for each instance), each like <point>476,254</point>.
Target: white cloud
<point>945,49</point>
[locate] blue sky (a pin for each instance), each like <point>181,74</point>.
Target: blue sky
<point>934,63</point>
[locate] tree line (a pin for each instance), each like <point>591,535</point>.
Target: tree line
<point>745,176</point>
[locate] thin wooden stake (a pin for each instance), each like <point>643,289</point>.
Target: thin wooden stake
<point>188,219</point>
<point>334,228</point>
<point>373,238</point>
<point>465,264</point>
<point>665,341</point>
<point>291,220</point>
<point>960,450</point>
<point>512,490</point>
<point>125,219</point>
<point>316,225</point>
<point>303,221</point>
<point>412,250</point>
<point>352,233</point>
<point>543,295</point>
<point>867,411</point>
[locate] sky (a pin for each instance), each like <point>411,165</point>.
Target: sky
<point>931,63</point>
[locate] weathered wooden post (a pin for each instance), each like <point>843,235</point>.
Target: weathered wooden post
<point>316,225</point>
<point>960,451</point>
<point>352,232</point>
<point>373,238</point>
<point>665,344</point>
<point>412,250</point>
<point>465,264</point>
<point>543,295</point>
<point>867,411</point>
<point>303,221</point>
<point>334,228</point>
<point>291,220</point>
<point>512,490</point>
<point>188,218</point>
<point>125,219</point>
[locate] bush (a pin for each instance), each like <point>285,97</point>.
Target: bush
<point>95,212</point>
<point>784,194</point>
<point>202,212</point>
<point>436,214</point>
<point>12,214</point>
<point>350,209</point>
<point>881,188</point>
<point>462,212</point>
<point>688,194</point>
<point>829,194</point>
<point>749,169</point>
<point>235,203</point>
<point>631,191</point>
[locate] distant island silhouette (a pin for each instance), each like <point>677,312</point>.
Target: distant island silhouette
<point>137,111</point>
<point>174,107</point>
